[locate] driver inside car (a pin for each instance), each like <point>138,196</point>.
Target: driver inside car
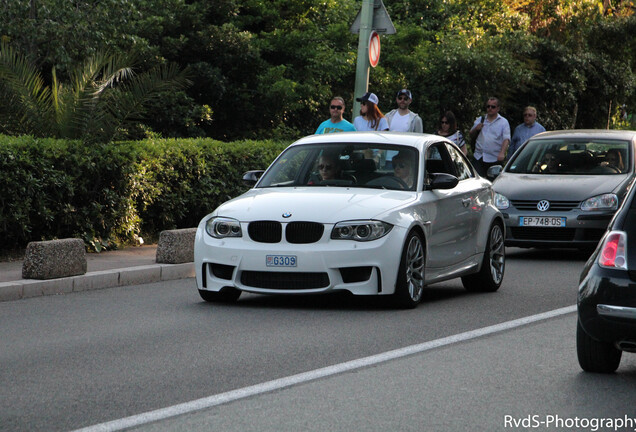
<point>403,168</point>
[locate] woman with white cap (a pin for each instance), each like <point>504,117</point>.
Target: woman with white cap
<point>370,118</point>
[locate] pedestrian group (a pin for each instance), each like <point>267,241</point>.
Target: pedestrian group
<point>490,133</point>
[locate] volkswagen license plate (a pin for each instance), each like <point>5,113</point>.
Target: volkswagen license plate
<point>280,260</point>
<point>542,221</point>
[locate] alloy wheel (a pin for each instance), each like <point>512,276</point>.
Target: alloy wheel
<point>415,268</point>
<point>497,254</point>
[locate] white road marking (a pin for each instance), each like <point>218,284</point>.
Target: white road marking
<point>277,384</point>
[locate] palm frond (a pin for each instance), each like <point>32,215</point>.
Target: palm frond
<point>125,104</point>
<point>24,81</point>
<point>104,95</point>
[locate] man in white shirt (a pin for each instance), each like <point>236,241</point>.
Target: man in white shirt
<point>493,137</point>
<point>403,119</point>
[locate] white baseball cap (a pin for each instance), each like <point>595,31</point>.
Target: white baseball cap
<point>370,97</point>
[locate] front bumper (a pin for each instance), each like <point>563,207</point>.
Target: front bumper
<point>582,229</point>
<point>362,268</point>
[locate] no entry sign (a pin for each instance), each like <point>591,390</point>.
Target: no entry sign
<point>374,49</point>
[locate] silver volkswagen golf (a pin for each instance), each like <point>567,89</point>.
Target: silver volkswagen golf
<point>561,188</point>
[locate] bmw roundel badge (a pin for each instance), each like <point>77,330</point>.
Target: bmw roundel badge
<point>286,214</point>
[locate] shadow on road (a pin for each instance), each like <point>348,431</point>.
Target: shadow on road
<point>537,254</point>
<point>343,300</point>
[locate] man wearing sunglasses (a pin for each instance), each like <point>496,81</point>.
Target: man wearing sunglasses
<point>493,138</point>
<point>529,128</point>
<point>336,123</point>
<point>403,119</point>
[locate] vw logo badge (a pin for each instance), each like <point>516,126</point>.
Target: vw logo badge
<point>286,214</point>
<point>543,205</point>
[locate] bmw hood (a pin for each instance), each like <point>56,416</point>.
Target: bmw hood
<point>318,204</point>
<point>557,187</point>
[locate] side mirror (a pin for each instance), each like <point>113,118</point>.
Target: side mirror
<point>251,177</point>
<point>494,171</point>
<point>442,181</point>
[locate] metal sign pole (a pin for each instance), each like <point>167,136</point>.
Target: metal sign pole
<point>362,66</point>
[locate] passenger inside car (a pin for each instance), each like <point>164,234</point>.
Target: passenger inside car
<point>329,167</point>
<point>330,170</point>
<point>548,164</point>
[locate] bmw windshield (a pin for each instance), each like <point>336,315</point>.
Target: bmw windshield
<point>352,165</point>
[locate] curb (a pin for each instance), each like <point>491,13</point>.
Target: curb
<point>27,288</point>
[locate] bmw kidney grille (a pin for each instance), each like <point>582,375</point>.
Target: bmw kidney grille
<point>295,232</point>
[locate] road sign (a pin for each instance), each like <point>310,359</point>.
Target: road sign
<point>374,49</point>
<point>372,18</point>
<point>381,21</point>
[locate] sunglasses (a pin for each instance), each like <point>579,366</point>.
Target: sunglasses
<point>403,98</point>
<point>322,167</point>
<point>363,103</point>
<point>336,107</point>
<point>491,106</point>
<point>400,165</point>
<point>528,115</point>
<point>444,122</point>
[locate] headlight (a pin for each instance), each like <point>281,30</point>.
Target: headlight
<point>601,202</point>
<point>365,230</point>
<point>501,202</point>
<point>222,227</point>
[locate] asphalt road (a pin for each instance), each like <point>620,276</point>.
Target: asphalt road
<point>83,359</point>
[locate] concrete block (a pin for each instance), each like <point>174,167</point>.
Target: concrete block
<point>177,271</point>
<point>176,246</point>
<point>140,275</point>
<point>54,259</point>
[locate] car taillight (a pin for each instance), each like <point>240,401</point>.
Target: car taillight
<point>614,251</point>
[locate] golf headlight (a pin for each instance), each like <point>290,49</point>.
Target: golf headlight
<point>501,202</point>
<point>601,202</point>
<point>364,230</point>
<point>222,227</point>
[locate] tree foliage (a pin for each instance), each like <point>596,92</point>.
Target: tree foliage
<point>102,98</point>
<point>267,68</point>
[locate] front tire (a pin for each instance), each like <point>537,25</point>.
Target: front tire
<point>226,295</point>
<point>596,356</point>
<point>409,286</point>
<point>493,265</point>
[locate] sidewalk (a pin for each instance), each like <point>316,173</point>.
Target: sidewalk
<point>128,266</point>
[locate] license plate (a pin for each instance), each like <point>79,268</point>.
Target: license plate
<point>280,260</point>
<point>542,221</point>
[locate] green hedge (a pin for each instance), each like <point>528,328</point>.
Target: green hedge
<point>114,193</point>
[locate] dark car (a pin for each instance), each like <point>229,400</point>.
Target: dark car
<point>561,188</point>
<point>607,295</point>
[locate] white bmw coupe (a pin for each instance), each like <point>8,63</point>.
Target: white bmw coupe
<point>372,213</point>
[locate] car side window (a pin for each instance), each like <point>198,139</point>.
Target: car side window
<point>462,168</point>
<point>438,161</point>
